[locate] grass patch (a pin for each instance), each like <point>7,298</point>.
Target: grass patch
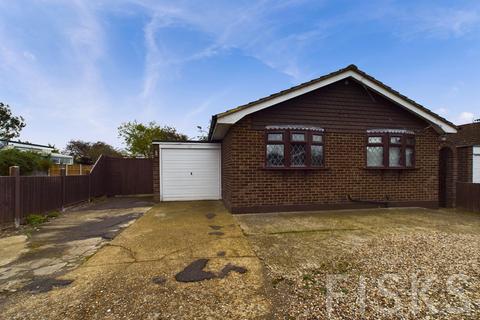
<point>53,214</point>
<point>36,219</point>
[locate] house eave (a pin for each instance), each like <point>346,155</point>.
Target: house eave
<point>228,118</point>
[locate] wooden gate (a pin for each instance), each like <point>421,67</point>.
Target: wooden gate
<point>468,196</point>
<point>128,176</point>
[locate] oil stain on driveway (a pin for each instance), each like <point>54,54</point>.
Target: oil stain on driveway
<point>167,265</point>
<point>33,264</point>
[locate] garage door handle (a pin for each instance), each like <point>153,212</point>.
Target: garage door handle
<point>191,173</point>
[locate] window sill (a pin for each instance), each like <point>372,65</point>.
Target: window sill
<point>295,168</point>
<point>387,169</point>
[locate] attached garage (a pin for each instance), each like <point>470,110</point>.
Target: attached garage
<point>189,171</point>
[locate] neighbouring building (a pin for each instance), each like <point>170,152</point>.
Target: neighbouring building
<point>47,151</point>
<point>344,140</point>
<point>467,144</point>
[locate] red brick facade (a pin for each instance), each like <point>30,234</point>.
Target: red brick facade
<point>345,110</point>
<point>247,187</point>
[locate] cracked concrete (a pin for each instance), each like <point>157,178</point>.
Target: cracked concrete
<point>62,244</point>
<point>133,277</point>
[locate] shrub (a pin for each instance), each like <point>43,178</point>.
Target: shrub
<point>36,219</point>
<point>27,161</point>
<point>53,214</point>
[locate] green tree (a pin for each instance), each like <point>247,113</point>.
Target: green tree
<point>138,137</point>
<point>202,133</point>
<point>88,152</point>
<point>28,161</point>
<point>10,125</point>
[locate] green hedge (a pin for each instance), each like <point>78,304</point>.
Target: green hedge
<point>27,161</point>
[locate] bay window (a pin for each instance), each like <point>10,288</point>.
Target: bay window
<point>294,147</point>
<point>390,149</point>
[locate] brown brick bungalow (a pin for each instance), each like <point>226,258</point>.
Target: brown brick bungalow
<point>344,140</point>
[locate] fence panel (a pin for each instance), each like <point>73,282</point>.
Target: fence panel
<point>98,178</point>
<point>129,176</point>
<point>76,189</point>
<point>7,200</point>
<point>71,169</point>
<point>468,196</point>
<point>39,195</point>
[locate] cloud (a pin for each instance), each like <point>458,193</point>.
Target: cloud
<point>442,111</point>
<point>29,56</point>
<point>67,84</point>
<point>464,117</point>
<point>433,21</point>
<point>72,96</point>
<point>246,27</point>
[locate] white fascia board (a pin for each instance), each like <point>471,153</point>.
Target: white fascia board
<point>236,116</point>
<point>188,145</point>
<point>233,117</point>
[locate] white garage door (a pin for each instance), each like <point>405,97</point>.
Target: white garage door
<point>476,165</point>
<point>190,171</point>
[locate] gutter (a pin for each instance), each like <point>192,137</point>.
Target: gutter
<point>213,124</point>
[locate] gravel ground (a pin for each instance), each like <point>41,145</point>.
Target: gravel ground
<point>387,264</point>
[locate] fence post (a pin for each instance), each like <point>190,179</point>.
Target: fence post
<point>89,187</point>
<point>62,179</point>
<point>15,172</point>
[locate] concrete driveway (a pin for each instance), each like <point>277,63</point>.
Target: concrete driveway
<point>31,260</point>
<point>180,260</point>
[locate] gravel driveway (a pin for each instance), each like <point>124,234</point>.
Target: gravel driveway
<point>377,264</point>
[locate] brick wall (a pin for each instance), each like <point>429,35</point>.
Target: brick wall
<point>156,172</point>
<point>249,188</point>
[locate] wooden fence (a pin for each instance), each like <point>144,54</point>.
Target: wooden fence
<point>468,196</point>
<point>130,176</point>
<point>24,195</point>
<point>70,169</point>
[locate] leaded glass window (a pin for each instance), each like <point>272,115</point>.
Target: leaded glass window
<point>395,140</point>
<point>391,150</point>
<point>394,156</point>
<point>275,137</point>
<point>298,155</point>
<point>317,155</point>
<point>317,138</point>
<point>374,156</point>
<point>409,157</point>
<point>374,139</point>
<point>294,149</point>
<point>298,137</point>
<point>275,155</point>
